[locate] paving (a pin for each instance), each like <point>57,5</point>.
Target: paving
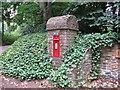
<point>3,48</point>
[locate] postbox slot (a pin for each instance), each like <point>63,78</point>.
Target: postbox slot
<point>55,39</point>
<point>56,46</point>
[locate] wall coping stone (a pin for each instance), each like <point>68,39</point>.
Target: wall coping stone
<point>66,22</point>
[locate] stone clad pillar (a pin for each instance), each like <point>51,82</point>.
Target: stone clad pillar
<point>65,27</point>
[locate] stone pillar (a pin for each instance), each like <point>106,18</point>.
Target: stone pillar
<point>66,27</point>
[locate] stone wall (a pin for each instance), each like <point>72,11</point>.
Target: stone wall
<point>109,63</point>
<point>86,67</point>
<point>66,39</point>
<point>66,27</point>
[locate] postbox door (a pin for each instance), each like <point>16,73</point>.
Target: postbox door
<point>56,46</point>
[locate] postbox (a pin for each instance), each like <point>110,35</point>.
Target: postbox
<point>56,46</point>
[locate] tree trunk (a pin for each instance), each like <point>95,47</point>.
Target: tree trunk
<point>2,27</point>
<point>8,26</point>
<point>1,40</point>
<point>49,9</point>
<point>42,6</point>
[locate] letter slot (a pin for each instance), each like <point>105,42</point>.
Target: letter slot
<point>56,46</point>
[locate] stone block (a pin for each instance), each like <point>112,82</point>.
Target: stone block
<point>62,23</point>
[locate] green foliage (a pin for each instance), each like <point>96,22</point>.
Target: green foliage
<point>25,29</point>
<point>92,16</point>
<point>31,28</point>
<point>28,12</point>
<point>27,58</point>
<point>76,53</point>
<point>87,14</point>
<point>9,38</point>
<point>6,13</point>
<point>22,12</point>
<point>30,15</point>
<point>110,21</point>
<point>13,27</point>
<point>58,8</point>
<point>59,76</point>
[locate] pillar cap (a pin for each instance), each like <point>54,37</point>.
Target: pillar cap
<point>66,22</point>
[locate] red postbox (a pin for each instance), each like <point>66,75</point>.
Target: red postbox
<point>56,46</point>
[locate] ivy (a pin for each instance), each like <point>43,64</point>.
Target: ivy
<point>75,55</point>
<point>27,58</point>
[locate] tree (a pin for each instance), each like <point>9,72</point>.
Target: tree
<point>8,12</point>
<point>110,20</point>
<point>92,16</point>
<point>59,7</point>
<point>43,8</point>
<point>49,9</point>
<point>46,9</point>
<point>2,33</point>
<point>2,26</point>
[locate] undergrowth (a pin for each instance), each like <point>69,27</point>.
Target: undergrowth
<point>27,58</point>
<point>76,53</point>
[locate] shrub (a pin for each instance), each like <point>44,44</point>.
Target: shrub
<point>31,28</point>
<point>10,38</point>
<point>27,58</point>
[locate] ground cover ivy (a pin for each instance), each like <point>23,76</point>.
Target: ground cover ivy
<point>76,53</point>
<point>27,58</point>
